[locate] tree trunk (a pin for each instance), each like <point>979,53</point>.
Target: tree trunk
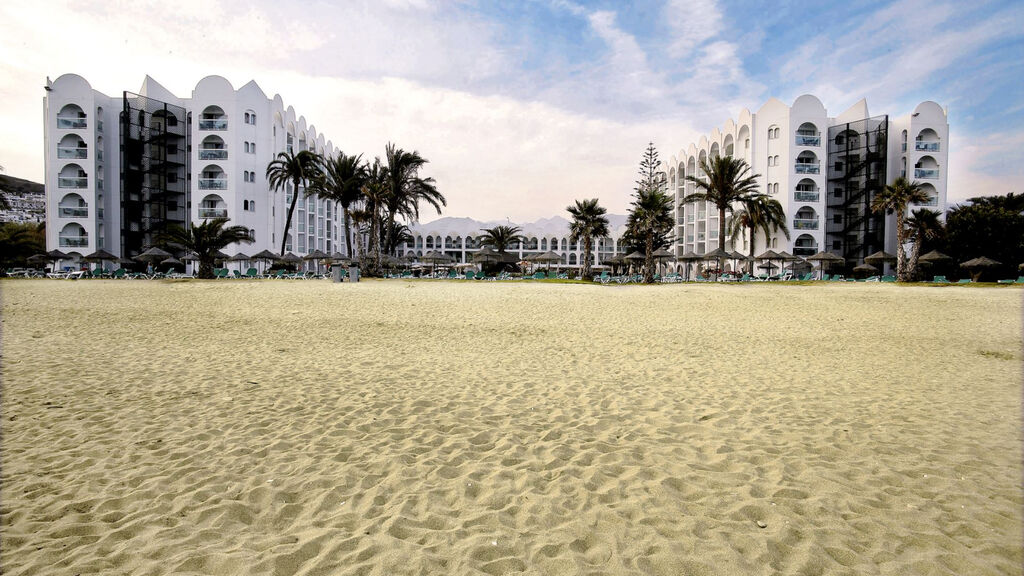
<point>915,253</point>
<point>348,233</point>
<point>586,257</point>
<point>751,268</point>
<point>721,227</point>
<point>901,254</point>
<point>288,220</point>
<point>649,260</point>
<point>205,268</point>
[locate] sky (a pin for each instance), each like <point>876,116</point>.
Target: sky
<point>523,107</point>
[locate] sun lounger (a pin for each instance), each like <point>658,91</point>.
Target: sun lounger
<point>964,281</point>
<point>888,278</point>
<point>940,280</point>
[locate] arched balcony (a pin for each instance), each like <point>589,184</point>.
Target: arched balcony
<point>213,118</point>
<point>806,219</point>
<point>805,245</point>
<point>73,236</point>
<point>213,206</point>
<point>808,135</point>
<point>715,150</point>
<point>213,148</point>
<point>531,244</point>
<point>72,176</point>
<point>72,146</point>
<point>213,178</point>
<point>430,242</point>
<point>927,141</point>
<point>933,195</point>
<point>807,163</point>
<point>806,191</point>
<point>71,117</point>
<point>72,206</point>
<point>848,139</point>
<point>926,168</point>
<point>903,141</point>
<point>743,140</point>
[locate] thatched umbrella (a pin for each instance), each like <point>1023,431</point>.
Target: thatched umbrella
<point>316,256</point>
<point>865,269</point>
<point>547,258</point>
<point>56,256</point>
<point>787,257</point>
<point>933,257</point>
<point>37,259</point>
<point>218,255</point>
<point>435,257</point>
<point>100,256</point>
<point>291,258</point>
<point>977,266</point>
<point>171,262</point>
<point>689,256</point>
<point>879,258</point>
<point>154,254</point>
<point>239,257</point>
<point>824,260</point>
<point>718,254</point>
<point>264,256</point>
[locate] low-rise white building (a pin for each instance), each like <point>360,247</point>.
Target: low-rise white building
<point>120,169</point>
<point>823,170</point>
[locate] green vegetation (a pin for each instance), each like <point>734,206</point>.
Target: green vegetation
<point>204,240</point>
<point>588,222</point>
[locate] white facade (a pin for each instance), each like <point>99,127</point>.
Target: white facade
<point>457,237</point>
<point>789,148</point>
<point>232,136</point>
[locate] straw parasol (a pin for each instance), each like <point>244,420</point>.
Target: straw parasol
<point>825,259</point>
<point>689,256</point>
<point>264,256</point>
<point>547,258</point>
<point>880,256</point>
<point>38,259</point>
<point>172,261</point>
<point>218,255</point>
<point>933,257</point>
<point>154,254</point>
<point>865,269</point>
<point>291,258</point>
<point>718,254</point>
<point>317,255</point>
<point>56,255</point>
<point>977,265</point>
<point>100,256</point>
<point>486,254</point>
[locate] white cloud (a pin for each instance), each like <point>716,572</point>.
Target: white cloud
<point>693,22</point>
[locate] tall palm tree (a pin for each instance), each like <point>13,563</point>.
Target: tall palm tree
<point>344,177</point>
<point>302,169</point>
<point>375,195</point>
<point>649,224</point>
<point>204,240</point>
<point>923,224</point>
<point>727,180</point>
<point>759,212</point>
<point>588,222</point>
<point>895,198</point>
<point>406,188</point>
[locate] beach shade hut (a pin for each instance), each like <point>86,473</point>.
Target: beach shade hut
<point>171,263</point>
<point>878,259</point>
<point>977,266</point>
<point>824,260</point>
<point>486,255</point>
<point>635,257</point>
<point>787,257</point>
<point>317,256</point>
<point>716,255</point>
<point>865,270</point>
<point>264,256</point>
<point>689,256</point>
<point>291,259</point>
<point>934,257</point>
<point>434,258</point>
<point>768,255</point>
<point>547,258</point>
<point>219,256</point>
<point>154,254</point>
<point>238,257</point>
<point>100,256</point>
<point>38,260</point>
<point>56,256</point>
<point>662,255</point>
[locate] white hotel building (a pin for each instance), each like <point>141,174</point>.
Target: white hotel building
<point>119,169</point>
<point>823,170</point>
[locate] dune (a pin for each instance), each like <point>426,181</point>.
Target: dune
<point>419,427</point>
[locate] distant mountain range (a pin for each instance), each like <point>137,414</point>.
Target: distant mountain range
<point>20,187</point>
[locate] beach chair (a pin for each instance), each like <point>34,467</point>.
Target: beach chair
<point>939,280</point>
<point>480,275</point>
<point>964,281</point>
<point>888,278</point>
<point>539,275</point>
<point>237,273</point>
<point>252,273</point>
<point>1009,281</point>
<point>1020,280</point>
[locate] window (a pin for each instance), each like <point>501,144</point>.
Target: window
<point>771,161</point>
<point>247,118</point>
<point>245,205</point>
<point>776,160</point>
<point>837,245</point>
<point>839,166</point>
<point>246,144</point>
<point>252,205</point>
<point>776,191</point>
<point>252,148</point>
<point>252,233</point>
<point>837,218</point>
<point>252,118</point>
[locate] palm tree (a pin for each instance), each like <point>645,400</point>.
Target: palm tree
<point>299,169</point>
<point>895,198</point>
<point>204,240</point>
<point>588,222</point>
<point>399,234</point>
<point>727,180</point>
<point>649,224</point>
<point>344,177</point>
<point>406,188</point>
<point>759,211</point>
<point>374,196</point>
<point>923,224</point>
<point>500,238</point>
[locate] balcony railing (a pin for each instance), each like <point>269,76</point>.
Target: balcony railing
<point>213,124</point>
<point>73,241</point>
<point>804,250</point>
<point>926,146</point>
<point>99,155</point>
<point>63,182</point>
<point>807,168</point>
<point>213,183</point>
<point>808,140</point>
<point>99,126</point>
<point>73,212</point>
<point>903,147</point>
<point>69,152</point>
<point>805,223</point>
<point>932,201</point>
<point>801,196</point>
<point>65,122</point>
<point>213,154</point>
<point>213,212</point>
<point>926,173</point>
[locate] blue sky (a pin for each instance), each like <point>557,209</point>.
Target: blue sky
<point>522,107</point>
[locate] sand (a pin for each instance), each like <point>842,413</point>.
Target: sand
<point>418,427</point>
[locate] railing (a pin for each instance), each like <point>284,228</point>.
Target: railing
<point>213,154</point>
<point>213,124</point>
<point>807,168</point>
<point>99,213</point>
<point>73,212</point>
<point>926,173</point>
<point>213,183</point>
<point>932,201</point>
<point>903,147</point>
<point>802,196</point>
<point>65,122</point>
<point>99,185</point>
<point>99,155</point>
<point>99,126</point>
<point>63,182</point>
<point>926,146</point>
<point>804,250</point>
<point>805,140</point>
<point>805,223</point>
<point>73,241</point>
<point>68,152</point>
<point>213,212</point>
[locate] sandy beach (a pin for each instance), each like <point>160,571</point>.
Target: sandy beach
<point>419,427</point>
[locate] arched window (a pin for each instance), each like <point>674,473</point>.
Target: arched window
<point>252,233</point>
<point>245,205</point>
<point>771,161</point>
<point>252,205</point>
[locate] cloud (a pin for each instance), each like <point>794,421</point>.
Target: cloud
<point>693,22</point>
